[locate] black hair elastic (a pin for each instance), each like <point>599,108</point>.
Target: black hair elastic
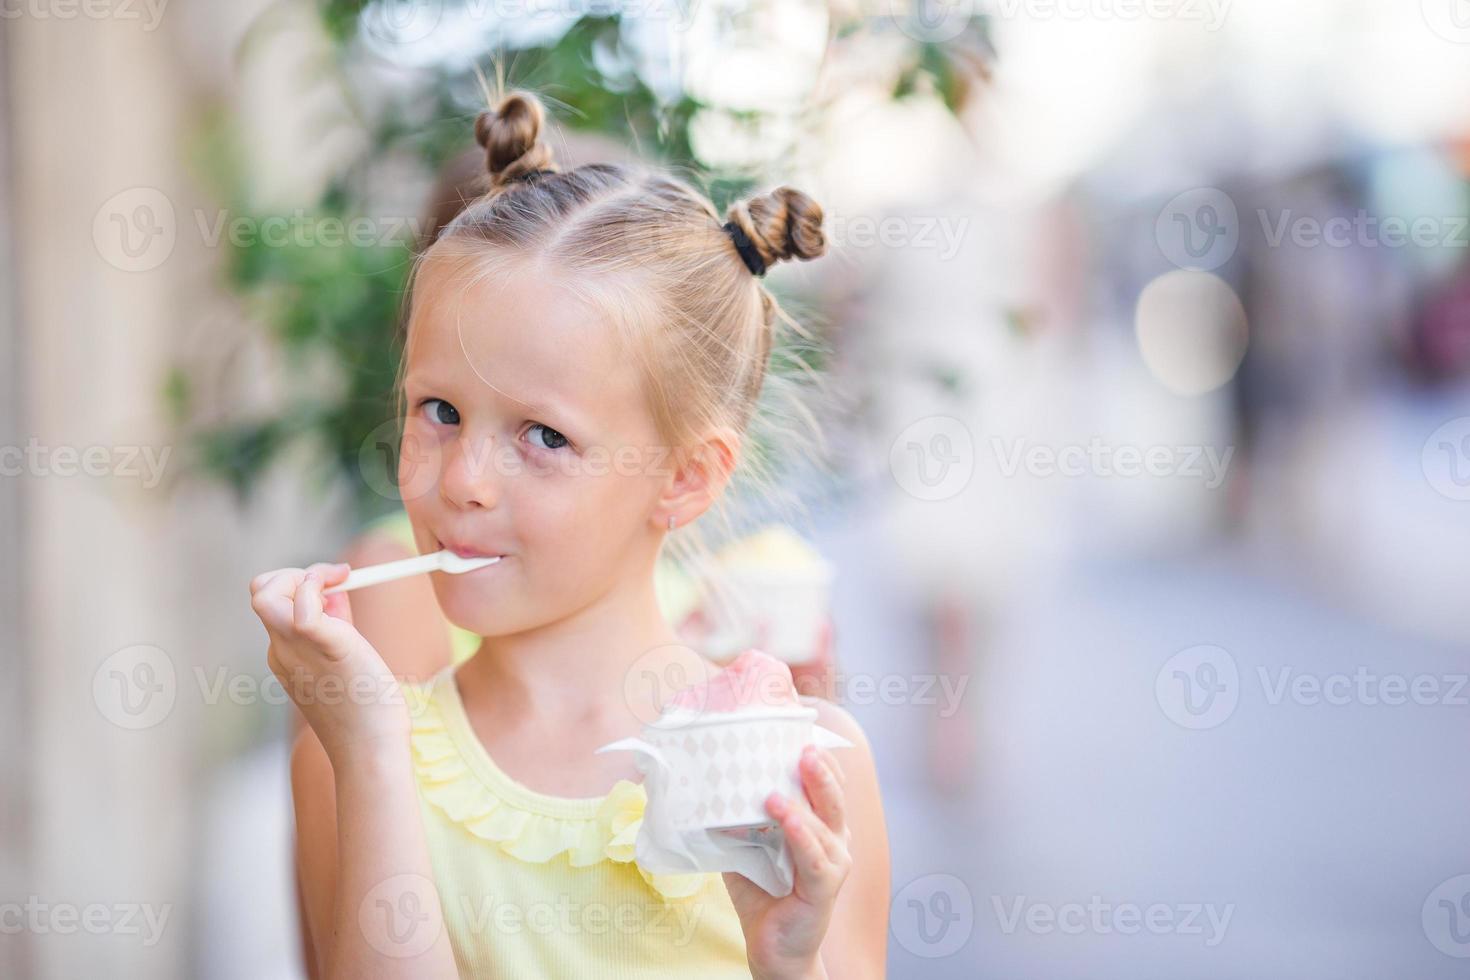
<point>748,253</point>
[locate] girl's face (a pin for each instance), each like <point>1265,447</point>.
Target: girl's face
<point>528,436</point>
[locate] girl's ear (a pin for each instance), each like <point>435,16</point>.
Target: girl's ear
<point>700,475</point>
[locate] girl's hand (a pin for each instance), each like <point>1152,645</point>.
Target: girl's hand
<point>783,936</point>
<point>334,675</point>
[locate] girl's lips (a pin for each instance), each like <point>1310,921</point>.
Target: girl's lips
<point>470,551</point>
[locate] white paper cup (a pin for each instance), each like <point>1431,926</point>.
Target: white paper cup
<point>792,604</point>
<point>723,766</point>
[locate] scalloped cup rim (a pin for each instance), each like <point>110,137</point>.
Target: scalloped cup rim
<point>686,718</point>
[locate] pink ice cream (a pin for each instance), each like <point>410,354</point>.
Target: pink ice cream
<point>752,680</point>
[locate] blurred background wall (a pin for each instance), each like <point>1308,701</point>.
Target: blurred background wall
<point>1149,485</point>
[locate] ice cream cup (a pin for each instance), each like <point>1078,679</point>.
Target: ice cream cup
<point>779,609</point>
<point>721,766</point>
<point>770,589</point>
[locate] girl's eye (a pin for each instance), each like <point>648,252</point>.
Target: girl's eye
<point>439,410</point>
<point>551,439</point>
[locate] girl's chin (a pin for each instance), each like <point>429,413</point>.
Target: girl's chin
<point>471,594</point>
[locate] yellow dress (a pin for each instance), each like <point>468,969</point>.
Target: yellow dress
<point>677,593</point>
<point>546,887</point>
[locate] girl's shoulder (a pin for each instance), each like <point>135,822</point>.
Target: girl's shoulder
<point>859,773</point>
<point>837,719</point>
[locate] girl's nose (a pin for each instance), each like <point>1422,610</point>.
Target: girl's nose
<point>470,478</point>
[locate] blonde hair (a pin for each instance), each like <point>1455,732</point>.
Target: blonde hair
<point>652,253</point>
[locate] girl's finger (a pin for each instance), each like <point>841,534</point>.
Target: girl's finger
<point>272,602</point>
<point>258,582</point>
<point>823,791</point>
<point>809,853</point>
<point>826,756</point>
<point>336,605</point>
<point>833,833</point>
<point>264,579</point>
<point>330,572</point>
<point>308,604</point>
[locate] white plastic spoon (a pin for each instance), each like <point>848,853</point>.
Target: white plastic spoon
<point>439,561</point>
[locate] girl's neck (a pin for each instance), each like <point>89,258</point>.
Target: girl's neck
<point>581,669</point>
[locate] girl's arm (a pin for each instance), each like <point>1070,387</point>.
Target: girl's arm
<point>315,800</point>
<point>364,866</point>
<point>385,921</point>
<point>857,938</point>
<point>374,910</point>
<point>403,623</point>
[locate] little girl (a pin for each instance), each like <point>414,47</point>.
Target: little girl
<point>585,351</point>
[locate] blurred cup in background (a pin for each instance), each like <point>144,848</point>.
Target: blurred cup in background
<point>770,590</point>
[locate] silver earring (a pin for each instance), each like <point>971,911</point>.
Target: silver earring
<point>671,522</point>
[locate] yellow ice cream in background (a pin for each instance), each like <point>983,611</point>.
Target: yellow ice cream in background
<point>773,547</point>
<point>769,589</point>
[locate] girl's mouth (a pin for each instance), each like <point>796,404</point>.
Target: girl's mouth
<point>472,551</point>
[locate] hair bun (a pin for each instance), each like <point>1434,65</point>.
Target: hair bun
<point>784,224</point>
<point>511,136</point>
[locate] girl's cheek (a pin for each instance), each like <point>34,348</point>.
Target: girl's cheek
<point>420,462</point>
